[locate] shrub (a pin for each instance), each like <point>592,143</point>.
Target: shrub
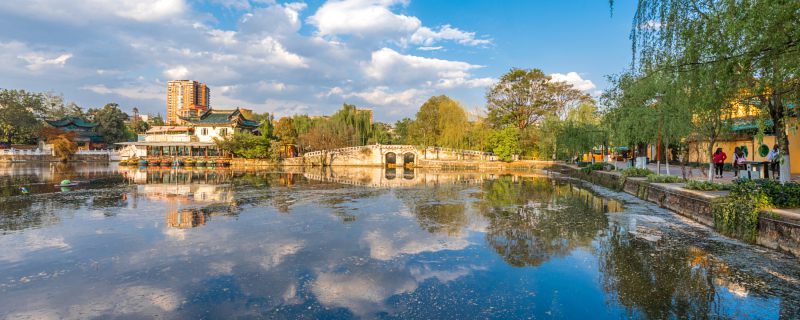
<point>597,166</point>
<point>636,172</point>
<point>781,195</point>
<point>737,213</point>
<point>657,178</point>
<point>582,164</point>
<point>706,185</point>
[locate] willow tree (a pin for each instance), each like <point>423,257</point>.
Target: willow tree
<point>440,121</point>
<point>725,47</point>
<point>629,117</point>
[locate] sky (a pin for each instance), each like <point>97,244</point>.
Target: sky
<point>306,57</point>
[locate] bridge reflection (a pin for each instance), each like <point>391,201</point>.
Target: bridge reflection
<point>394,177</point>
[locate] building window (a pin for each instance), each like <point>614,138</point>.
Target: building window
<point>204,132</point>
<point>223,132</point>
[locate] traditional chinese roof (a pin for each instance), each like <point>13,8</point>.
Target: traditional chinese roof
<point>219,117</point>
<point>71,123</point>
<point>82,127</point>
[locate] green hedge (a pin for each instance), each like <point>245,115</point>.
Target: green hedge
<point>737,214</point>
<point>658,178</point>
<point>781,195</point>
<point>597,166</point>
<point>636,172</point>
<point>706,186</point>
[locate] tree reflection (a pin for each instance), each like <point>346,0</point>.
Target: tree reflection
<point>439,209</point>
<point>531,220</point>
<point>656,281</point>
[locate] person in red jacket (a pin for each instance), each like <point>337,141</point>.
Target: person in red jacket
<point>719,162</point>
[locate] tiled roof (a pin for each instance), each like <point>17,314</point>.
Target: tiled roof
<point>71,121</point>
<point>221,117</point>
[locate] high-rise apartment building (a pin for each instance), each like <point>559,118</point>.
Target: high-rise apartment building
<point>186,98</point>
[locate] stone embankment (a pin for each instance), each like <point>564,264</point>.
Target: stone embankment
<point>777,229</point>
<point>33,158</point>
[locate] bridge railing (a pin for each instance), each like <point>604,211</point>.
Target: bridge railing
<point>428,149</point>
<point>461,151</point>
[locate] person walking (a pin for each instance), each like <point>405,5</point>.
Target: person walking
<point>719,162</point>
<point>738,159</point>
<point>774,157</point>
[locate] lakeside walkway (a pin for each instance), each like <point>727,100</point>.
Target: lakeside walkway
<point>696,174</point>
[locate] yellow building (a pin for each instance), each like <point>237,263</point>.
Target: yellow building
<point>186,98</point>
<point>743,134</point>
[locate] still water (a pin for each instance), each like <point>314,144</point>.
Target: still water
<point>365,243</point>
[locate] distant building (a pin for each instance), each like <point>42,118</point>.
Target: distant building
<point>86,137</point>
<point>195,138</point>
<point>217,123</point>
<point>186,98</point>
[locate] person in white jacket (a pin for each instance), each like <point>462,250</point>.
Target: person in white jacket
<point>774,157</point>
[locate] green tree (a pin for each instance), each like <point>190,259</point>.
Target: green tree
<point>401,131</point>
<point>157,120</point>
<point>440,121</point>
<point>285,131</point>
<point>56,109</point>
<point>247,145</point>
<point>20,114</point>
<point>110,122</point>
<point>524,97</point>
<point>505,143</point>
<point>729,47</point>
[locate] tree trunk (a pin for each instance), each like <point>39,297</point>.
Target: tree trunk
<point>711,172</point>
<point>778,115</point>
<point>666,154</point>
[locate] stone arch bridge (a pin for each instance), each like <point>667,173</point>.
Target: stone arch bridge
<point>387,156</point>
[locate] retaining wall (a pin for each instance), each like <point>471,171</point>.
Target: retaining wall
<point>777,229</point>
<point>50,158</point>
<point>240,162</point>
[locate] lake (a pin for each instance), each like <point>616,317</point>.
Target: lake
<point>347,243</point>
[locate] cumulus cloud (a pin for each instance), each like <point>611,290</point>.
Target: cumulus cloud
<point>427,37</point>
<point>382,96</point>
<point>389,65</point>
<point>37,61</point>
<point>362,17</point>
<point>179,72</point>
<point>575,80</point>
<point>262,59</point>
<point>98,10</point>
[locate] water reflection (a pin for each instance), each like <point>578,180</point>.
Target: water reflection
<point>532,220</point>
<point>366,243</point>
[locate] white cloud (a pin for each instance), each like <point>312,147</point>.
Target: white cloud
<point>263,60</point>
<point>99,10</point>
<point>37,61</point>
<point>575,80</point>
<point>362,17</point>
<point>270,51</point>
<point>650,25</point>
<point>462,82</point>
<point>176,73</point>
<point>135,91</point>
<point>387,64</point>
<point>384,97</point>
<point>427,37</point>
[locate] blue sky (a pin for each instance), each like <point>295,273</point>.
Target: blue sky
<point>305,57</point>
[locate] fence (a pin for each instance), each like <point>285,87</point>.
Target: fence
<point>25,152</point>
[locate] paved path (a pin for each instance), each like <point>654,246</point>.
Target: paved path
<point>694,173</point>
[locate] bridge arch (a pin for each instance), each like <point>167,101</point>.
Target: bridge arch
<point>390,159</point>
<point>409,158</point>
